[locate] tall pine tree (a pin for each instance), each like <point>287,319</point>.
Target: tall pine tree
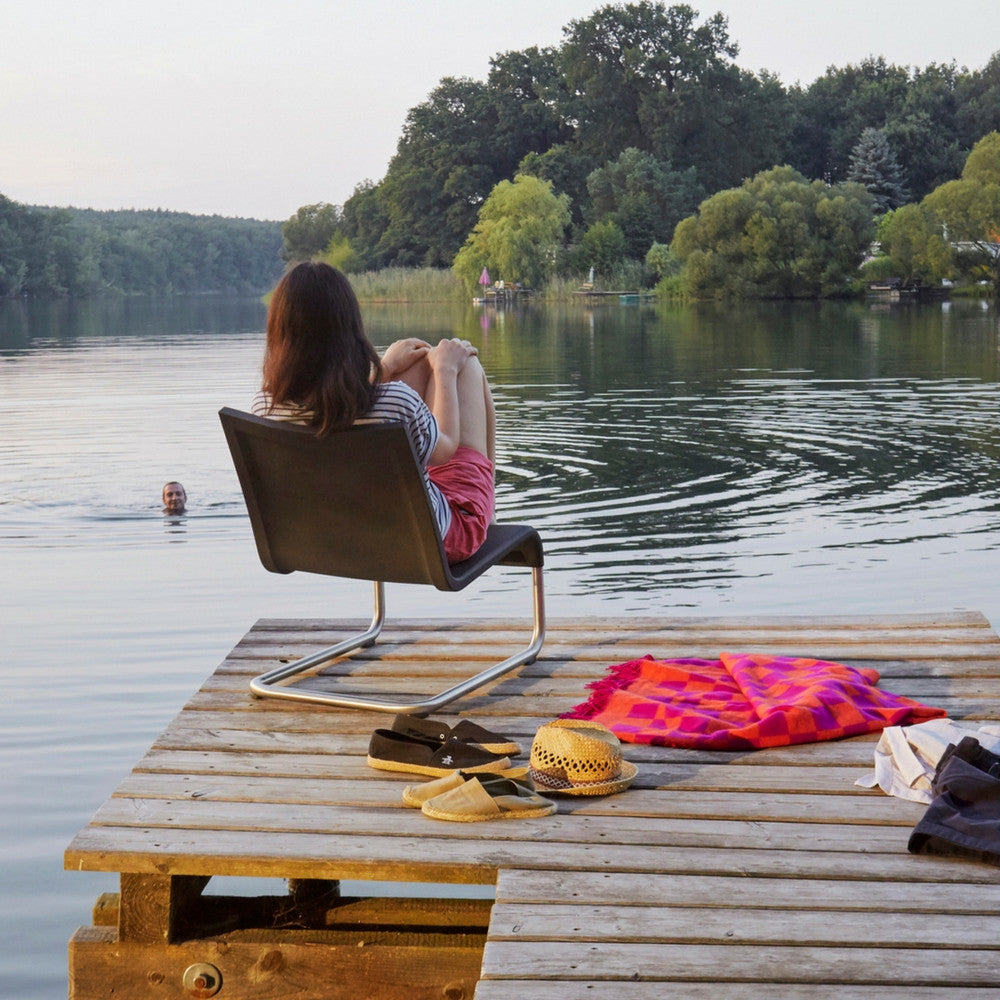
<point>874,164</point>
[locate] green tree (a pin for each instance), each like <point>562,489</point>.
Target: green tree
<point>643,197</point>
<point>567,168</point>
<point>309,231</point>
<point>527,89</point>
<point>621,57</point>
<point>727,125</point>
<point>777,236</point>
<point>911,239</point>
<point>602,247</point>
<point>969,208</point>
<point>924,131</point>
<point>13,258</point>
<point>874,165</point>
<point>340,254</point>
<point>364,222</point>
<point>977,103</point>
<point>660,261</point>
<point>520,228</point>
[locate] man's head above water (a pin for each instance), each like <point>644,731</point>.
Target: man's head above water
<point>174,498</point>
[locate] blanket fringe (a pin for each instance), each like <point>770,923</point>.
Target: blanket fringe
<point>619,676</point>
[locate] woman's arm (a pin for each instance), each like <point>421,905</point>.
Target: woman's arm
<point>402,355</point>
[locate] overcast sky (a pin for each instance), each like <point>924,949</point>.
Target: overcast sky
<point>250,108</point>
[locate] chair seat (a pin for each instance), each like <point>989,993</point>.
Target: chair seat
<point>505,545</point>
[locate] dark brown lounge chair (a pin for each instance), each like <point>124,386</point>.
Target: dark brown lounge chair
<point>353,504</point>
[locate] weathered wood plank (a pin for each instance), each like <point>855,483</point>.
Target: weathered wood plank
<point>596,656</point>
<point>549,989</point>
<point>925,966</point>
<point>275,967</point>
<point>506,697</point>
<point>360,820</point>
<point>674,776</point>
<point>318,731</point>
<point>471,646</point>
<point>547,682</point>
<point>659,625</point>
<point>542,888</point>
<point>867,807</point>
<point>471,860</point>
<point>529,922</point>
<point>218,736</point>
<point>236,670</point>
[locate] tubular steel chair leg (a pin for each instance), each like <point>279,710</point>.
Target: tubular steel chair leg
<point>264,685</point>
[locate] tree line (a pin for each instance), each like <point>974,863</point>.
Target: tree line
<point>636,119</point>
<point>57,252</point>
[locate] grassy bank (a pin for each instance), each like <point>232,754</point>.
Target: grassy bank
<point>405,284</point>
<point>427,284</point>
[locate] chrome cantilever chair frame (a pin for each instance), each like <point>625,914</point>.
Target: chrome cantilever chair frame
<point>329,506</point>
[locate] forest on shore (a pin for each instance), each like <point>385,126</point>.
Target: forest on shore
<point>60,252</point>
<point>638,147</point>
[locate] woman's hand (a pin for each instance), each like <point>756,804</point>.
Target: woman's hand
<point>450,355</point>
<point>402,355</point>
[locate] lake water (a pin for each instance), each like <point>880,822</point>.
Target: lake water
<point>794,459</point>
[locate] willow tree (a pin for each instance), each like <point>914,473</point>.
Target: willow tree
<point>912,241</point>
<point>969,209</point>
<point>776,236</point>
<point>520,228</point>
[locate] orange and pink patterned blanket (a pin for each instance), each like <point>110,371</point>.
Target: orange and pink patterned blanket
<point>742,701</point>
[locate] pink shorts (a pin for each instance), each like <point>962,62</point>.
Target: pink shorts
<point>466,480</point>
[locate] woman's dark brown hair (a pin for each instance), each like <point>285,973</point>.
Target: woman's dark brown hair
<point>317,356</point>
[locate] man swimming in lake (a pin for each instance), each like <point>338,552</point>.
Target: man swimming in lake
<point>174,498</point>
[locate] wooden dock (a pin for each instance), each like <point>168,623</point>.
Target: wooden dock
<point>716,876</point>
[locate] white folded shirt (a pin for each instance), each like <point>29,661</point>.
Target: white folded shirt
<point>906,757</point>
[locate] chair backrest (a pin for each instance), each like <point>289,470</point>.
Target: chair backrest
<point>352,503</point>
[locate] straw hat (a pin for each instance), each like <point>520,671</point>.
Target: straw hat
<point>573,757</point>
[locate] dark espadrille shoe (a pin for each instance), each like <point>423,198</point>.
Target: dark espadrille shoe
<point>464,730</point>
<point>389,751</point>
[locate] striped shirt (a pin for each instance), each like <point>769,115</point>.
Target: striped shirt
<point>398,402</point>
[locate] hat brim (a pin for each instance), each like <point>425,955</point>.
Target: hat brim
<point>619,784</point>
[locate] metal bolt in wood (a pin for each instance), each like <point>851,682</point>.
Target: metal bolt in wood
<point>202,980</point>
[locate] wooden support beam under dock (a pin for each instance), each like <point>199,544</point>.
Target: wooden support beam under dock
<point>732,875</point>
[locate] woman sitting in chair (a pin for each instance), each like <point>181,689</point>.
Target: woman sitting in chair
<point>320,369</point>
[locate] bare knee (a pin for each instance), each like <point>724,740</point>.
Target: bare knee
<point>417,377</point>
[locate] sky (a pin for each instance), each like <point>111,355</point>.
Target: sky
<point>252,109</point>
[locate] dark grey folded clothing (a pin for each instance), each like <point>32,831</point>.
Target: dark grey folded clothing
<point>964,817</point>
<point>971,750</point>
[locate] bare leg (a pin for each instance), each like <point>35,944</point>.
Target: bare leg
<point>491,422</point>
<point>475,408</point>
<point>417,377</point>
